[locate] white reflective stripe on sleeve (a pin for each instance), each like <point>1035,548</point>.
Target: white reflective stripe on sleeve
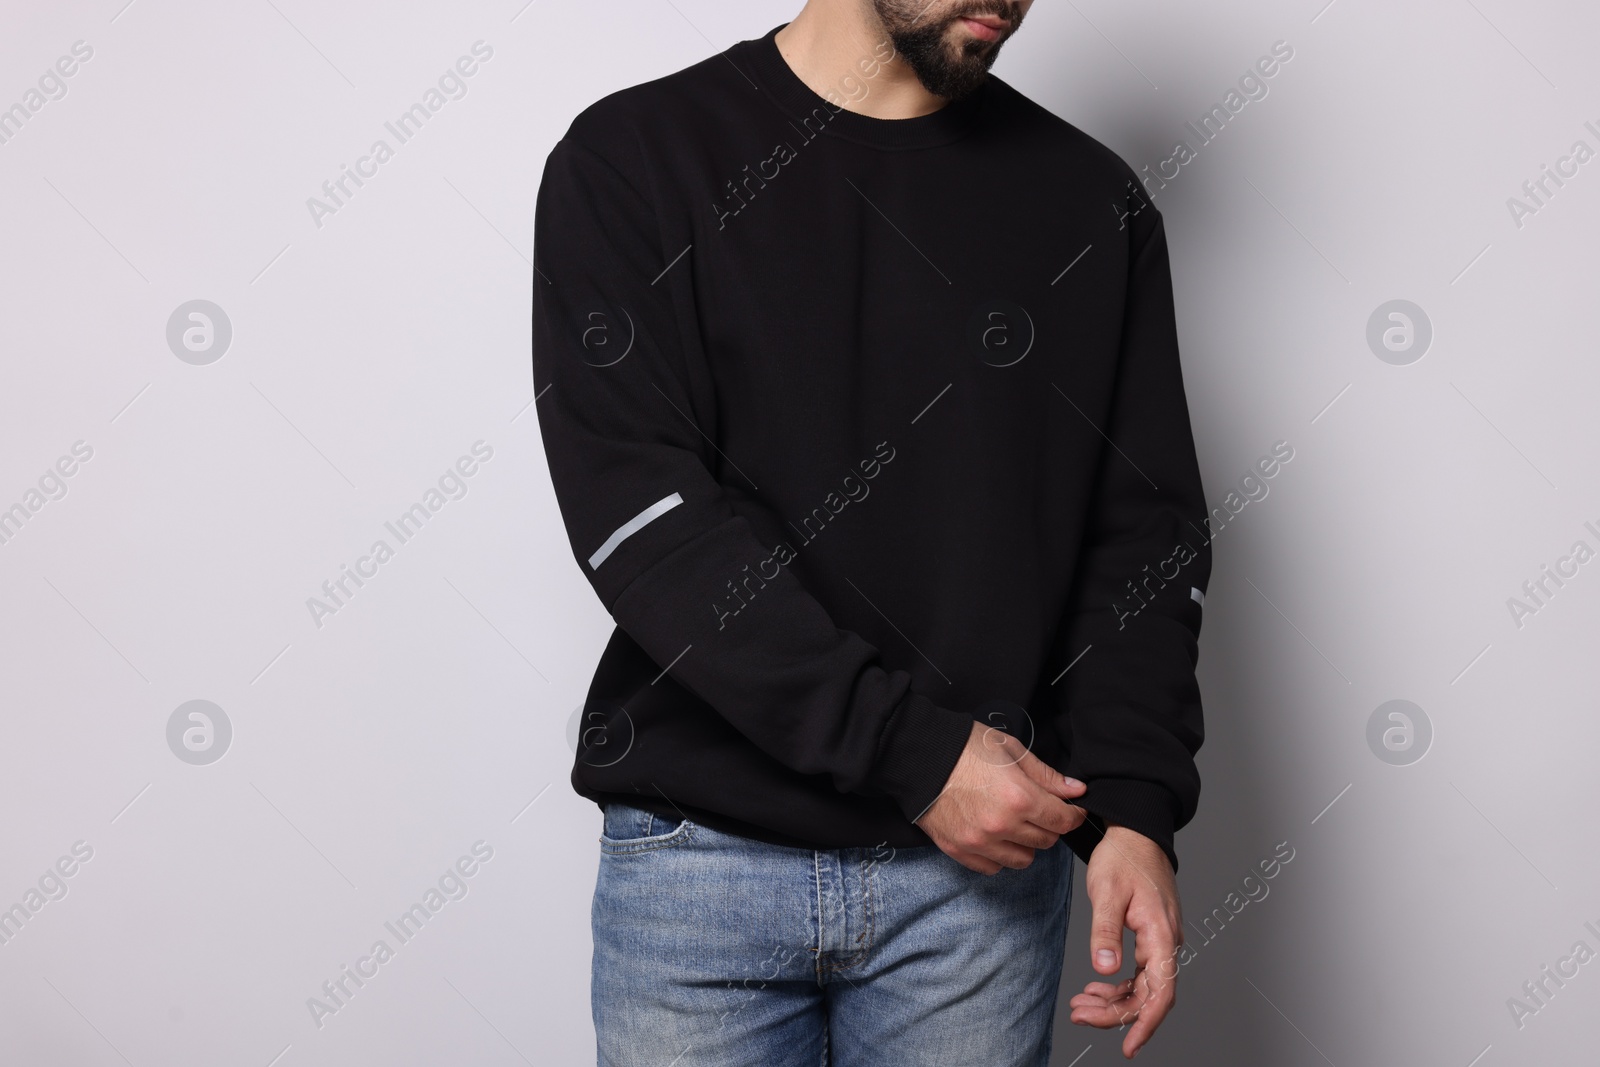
<point>1197,596</point>
<point>633,526</point>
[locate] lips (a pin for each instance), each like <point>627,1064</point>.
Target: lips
<point>985,27</point>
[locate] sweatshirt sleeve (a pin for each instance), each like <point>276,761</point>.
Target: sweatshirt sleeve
<point>1129,706</point>
<point>628,415</point>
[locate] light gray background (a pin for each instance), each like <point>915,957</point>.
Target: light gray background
<point>430,712</point>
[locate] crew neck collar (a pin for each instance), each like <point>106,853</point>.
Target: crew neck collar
<point>799,101</point>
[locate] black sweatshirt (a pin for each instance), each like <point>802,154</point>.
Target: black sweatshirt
<point>862,428</point>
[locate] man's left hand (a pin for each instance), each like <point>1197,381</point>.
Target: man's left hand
<point>1131,884</point>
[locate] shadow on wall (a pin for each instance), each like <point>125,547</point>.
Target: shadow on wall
<point>1222,1015</point>
<point>1219,1018</point>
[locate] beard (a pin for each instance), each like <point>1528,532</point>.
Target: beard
<point>926,43</point>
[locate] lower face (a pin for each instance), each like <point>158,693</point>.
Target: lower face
<point>949,53</point>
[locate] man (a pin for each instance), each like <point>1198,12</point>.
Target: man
<point>860,391</point>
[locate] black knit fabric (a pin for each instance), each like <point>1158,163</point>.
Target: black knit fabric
<point>858,425</point>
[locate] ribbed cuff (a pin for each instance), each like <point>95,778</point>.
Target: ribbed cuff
<point>1143,807</point>
<point>919,748</point>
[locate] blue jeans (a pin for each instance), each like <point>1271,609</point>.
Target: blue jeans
<point>714,950</point>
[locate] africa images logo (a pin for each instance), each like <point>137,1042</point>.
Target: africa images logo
<point>1399,332</point>
<point>1000,333</point>
<point>199,732</point>
<point>199,332</point>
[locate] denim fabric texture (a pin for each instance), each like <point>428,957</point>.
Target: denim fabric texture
<point>714,950</point>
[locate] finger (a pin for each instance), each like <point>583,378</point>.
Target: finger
<point>1029,832</point>
<point>1154,1006</point>
<point>1151,1003</point>
<point>1156,938</point>
<point>1057,816</point>
<point>1105,929</point>
<point>1052,780</point>
<point>1104,1014</point>
<point>1108,1020</point>
<point>1107,991</point>
<point>1029,835</point>
<point>1007,854</point>
<point>1099,993</point>
<point>1156,985</point>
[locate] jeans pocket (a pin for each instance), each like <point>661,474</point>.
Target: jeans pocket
<point>630,829</point>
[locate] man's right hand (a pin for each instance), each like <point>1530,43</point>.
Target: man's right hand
<point>1000,804</point>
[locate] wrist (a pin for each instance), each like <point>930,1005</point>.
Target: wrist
<point>1143,808</point>
<point>1126,837</point>
<point>1128,842</point>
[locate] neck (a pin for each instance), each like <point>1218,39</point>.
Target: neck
<point>835,47</point>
